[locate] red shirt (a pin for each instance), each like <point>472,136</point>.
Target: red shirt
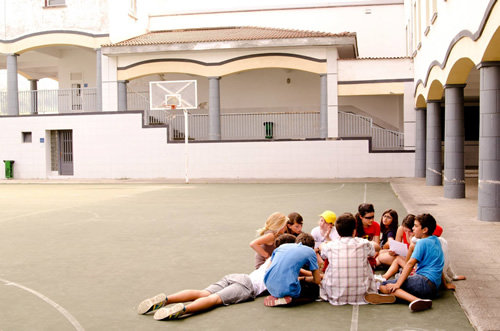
<point>372,231</point>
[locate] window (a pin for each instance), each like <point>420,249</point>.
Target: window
<point>49,3</point>
<point>26,137</point>
<point>133,8</point>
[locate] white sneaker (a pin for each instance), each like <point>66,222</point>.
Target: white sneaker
<point>170,313</point>
<point>379,278</point>
<point>152,304</point>
<point>420,304</point>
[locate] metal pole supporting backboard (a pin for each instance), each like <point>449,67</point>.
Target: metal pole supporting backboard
<point>179,94</point>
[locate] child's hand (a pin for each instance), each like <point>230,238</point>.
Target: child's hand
<point>392,288</point>
<point>392,253</point>
<point>327,234</point>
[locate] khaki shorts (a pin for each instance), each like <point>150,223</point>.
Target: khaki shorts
<point>233,288</point>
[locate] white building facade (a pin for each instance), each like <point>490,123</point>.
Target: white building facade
<point>313,71</point>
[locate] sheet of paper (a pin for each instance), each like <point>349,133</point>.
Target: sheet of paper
<point>398,247</point>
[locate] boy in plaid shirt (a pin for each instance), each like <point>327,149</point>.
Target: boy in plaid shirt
<point>349,276</point>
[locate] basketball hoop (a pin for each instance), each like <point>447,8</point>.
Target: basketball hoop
<point>167,96</point>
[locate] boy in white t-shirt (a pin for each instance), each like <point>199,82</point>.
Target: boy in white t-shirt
<point>231,289</point>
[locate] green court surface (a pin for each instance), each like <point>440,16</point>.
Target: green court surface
<point>82,256</point>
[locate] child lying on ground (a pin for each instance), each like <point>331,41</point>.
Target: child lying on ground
<point>233,288</point>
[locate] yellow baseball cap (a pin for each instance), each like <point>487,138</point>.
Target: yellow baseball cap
<point>329,216</point>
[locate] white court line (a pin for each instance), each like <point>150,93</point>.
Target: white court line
<point>304,193</point>
<point>63,311</point>
<point>354,319</point>
<point>355,308</point>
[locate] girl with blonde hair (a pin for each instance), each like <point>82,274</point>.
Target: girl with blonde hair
<point>263,245</point>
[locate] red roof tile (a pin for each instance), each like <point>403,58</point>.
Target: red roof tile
<point>222,34</point>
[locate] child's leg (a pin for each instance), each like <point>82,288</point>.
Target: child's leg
<point>201,303</point>
<point>398,262</point>
<point>204,303</point>
<point>161,300</point>
<point>384,257</point>
<point>412,290</point>
<point>399,293</point>
<point>187,295</point>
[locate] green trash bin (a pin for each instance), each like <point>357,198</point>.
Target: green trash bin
<point>269,129</point>
<point>9,168</point>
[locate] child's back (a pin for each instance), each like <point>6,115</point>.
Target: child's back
<point>348,276</point>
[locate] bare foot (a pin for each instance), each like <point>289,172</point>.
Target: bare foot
<point>459,277</point>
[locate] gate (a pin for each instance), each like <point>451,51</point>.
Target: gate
<point>66,152</point>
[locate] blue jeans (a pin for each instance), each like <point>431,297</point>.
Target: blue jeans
<point>418,286</point>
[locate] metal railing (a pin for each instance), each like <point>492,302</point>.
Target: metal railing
<point>245,126</point>
<point>352,125</point>
<point>54,101</point>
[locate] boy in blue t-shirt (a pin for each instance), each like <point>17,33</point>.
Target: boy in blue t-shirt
<point>281,277</point>
<point>423,286</point>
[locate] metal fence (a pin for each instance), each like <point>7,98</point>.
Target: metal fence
<point>352,125</point>
<point>245,126</point>
<point>53,101</point>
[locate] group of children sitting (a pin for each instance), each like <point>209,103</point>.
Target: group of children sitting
<point>334,263</point>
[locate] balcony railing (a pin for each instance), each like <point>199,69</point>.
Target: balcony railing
<point>53,101</point>
<point>243,126</point>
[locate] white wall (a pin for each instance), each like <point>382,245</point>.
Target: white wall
<point>379,25</point>
<point>114,145</point>
<point>388,108</point>
<point>18,18</point>
<point>77,60</point>
<point>453,17</point>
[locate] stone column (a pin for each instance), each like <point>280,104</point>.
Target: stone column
<point>214,132</point>
<point>333,95</point>
<point>454,137</point>
<point>98,79</point>
<point>34,96</point>
<point>433,155</point>
<point>323,108</point>
<point>12,88</point>
<point>489,142</point>
<point>122,95</point>
<point>420,141</point>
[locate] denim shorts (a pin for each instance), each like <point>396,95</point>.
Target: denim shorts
<point>418,286</point>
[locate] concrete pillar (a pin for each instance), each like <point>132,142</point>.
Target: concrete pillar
<point>333,95</point>
<point>434,163</point>
<point>420,141</point>
<point>489,142</point>
<point>122,95</point>
<point>98,79</point>
<point>34,96</point>
<point>12,88</point>
<point>323,108</point>
<point>214,108</point>
<point>454,138</point>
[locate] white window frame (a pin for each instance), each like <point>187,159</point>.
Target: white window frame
<point>49,4</point>
<point>132,10</point>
